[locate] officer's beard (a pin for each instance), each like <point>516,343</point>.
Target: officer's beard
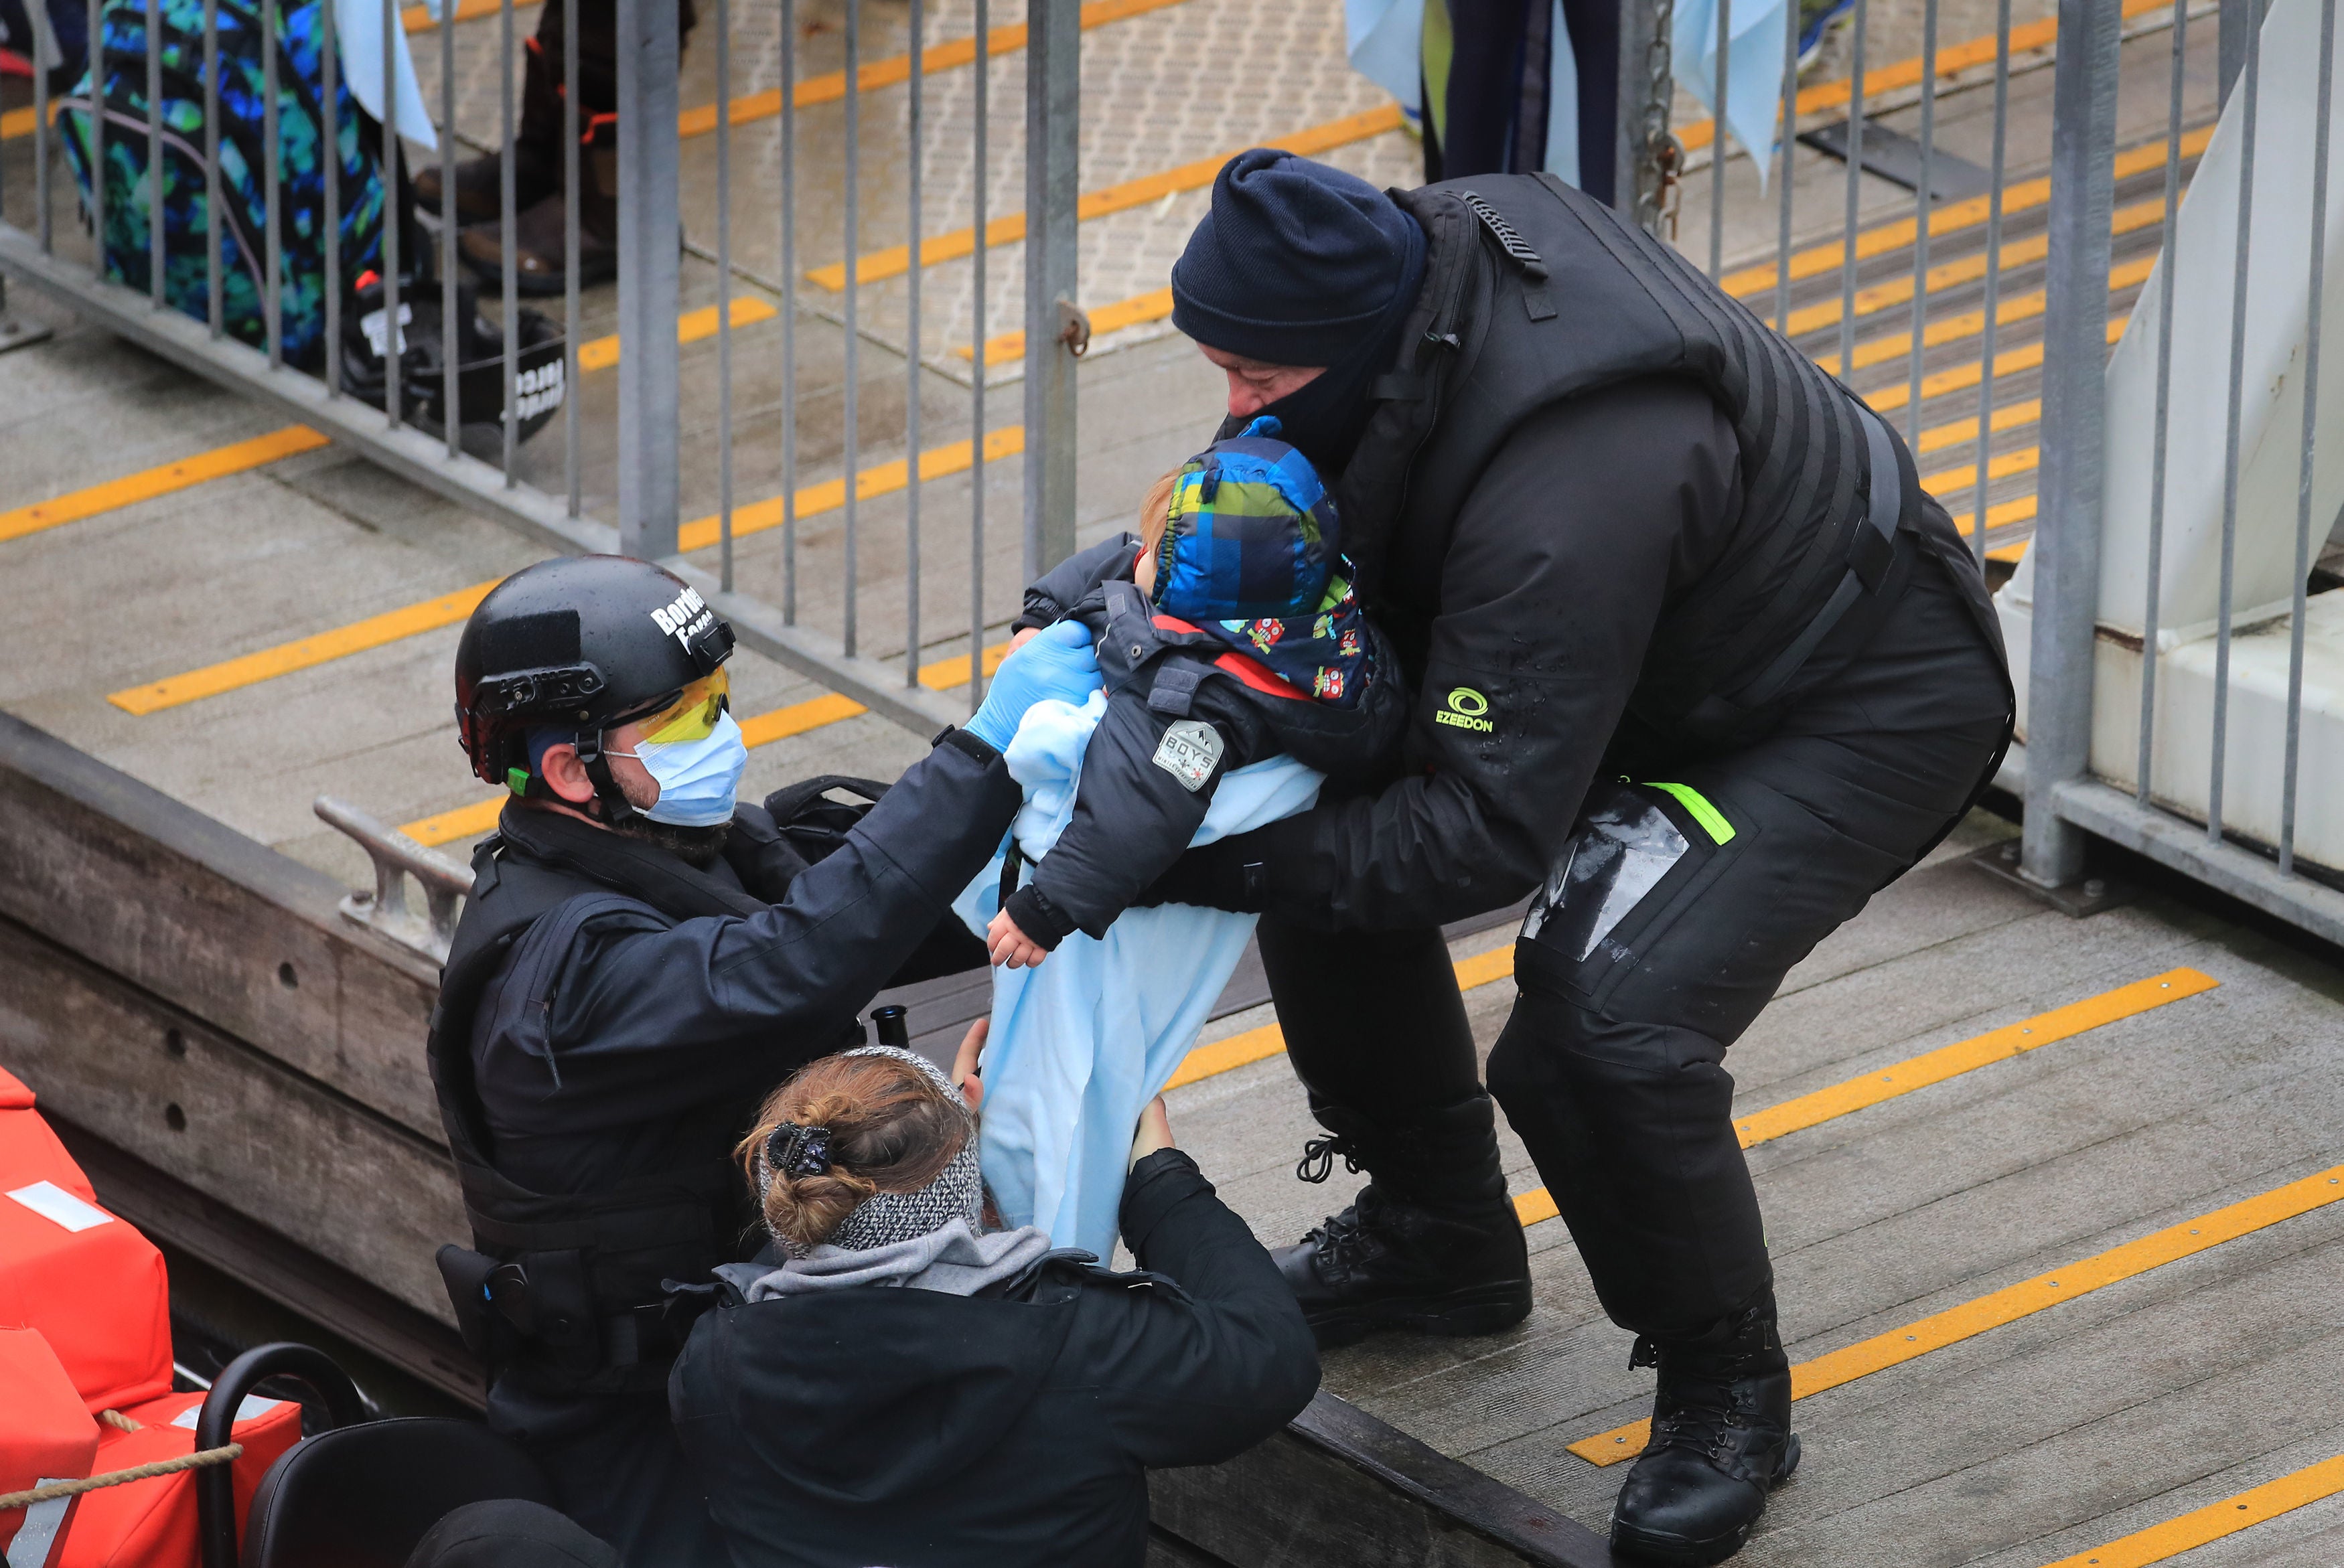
<point>697,847</point>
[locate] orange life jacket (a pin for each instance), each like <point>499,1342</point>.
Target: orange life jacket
<point>46,1434</point>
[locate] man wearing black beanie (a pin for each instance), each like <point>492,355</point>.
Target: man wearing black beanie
<point>1695,660</point>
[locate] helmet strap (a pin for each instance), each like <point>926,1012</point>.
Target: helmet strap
<point>616,807</point>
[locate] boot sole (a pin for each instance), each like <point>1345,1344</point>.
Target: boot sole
<point>1485,1310</point>
<point>1676,1552</point>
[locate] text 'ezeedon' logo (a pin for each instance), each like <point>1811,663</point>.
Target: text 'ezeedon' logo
<point>1467,709</point>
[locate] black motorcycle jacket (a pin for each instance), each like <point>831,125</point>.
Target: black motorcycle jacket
<point>609,1018</point>
<point>1598,504</point>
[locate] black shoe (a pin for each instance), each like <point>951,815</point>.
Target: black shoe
<point>1721,1441</point>
<point>1386,1264</point>
<point>479,185</point>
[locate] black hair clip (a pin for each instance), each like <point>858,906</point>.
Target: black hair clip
<point>794,1150</point>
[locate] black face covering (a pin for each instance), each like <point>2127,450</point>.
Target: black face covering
<point>1323,418</point>
<point>696,847</point>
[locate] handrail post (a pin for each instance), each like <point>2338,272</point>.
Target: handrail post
<point>1055,330</point>
<point>650,262</point>
<point>2066,547</point>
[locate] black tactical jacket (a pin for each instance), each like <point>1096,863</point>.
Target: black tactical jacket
<point>610,1017</point>
<point>1596,505</point>
<point>1141,799</point>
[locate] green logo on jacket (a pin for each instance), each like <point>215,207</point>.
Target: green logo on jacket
<point>1467,709</point>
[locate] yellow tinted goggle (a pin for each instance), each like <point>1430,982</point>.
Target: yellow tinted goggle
<point>693,714</point>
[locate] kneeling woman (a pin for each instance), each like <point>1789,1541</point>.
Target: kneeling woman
<point>894,1385</point>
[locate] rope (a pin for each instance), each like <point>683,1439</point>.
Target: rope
<point>10,1500</point>
<point>119,1422</point>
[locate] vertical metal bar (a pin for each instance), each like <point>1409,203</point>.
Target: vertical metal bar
<point>272,193</point>
<point>1925,214</point>
<point>41,221</point>
<point>853,414</point>
<point>451,356</point>
<point>94,118</point>
<point>394,331</point>
<point>979,83</point>
<point>2168,263</point>
<point>154,149</point>
<point>2239,20</point>
<point>648,223</point>
<point>724,292</point>
<point>1717,140</point>
<point>1854,193</point>
<point>1054,44</point>
<point>1993,274</point>
<point>214,308</point>
<point>2310,436</point>
<point>571,474</point>
<point>913,153</point>
<point>2250,82</point>
<point>790,312</point>
<point>330,67</point>
<point>508,241</point>
<point>1786,138</point>
<point>2067,550</point>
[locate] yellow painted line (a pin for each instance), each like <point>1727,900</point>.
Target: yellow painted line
<point>413,619</point>
<point>829,495</point>
<point>2009,555</point>
<point>417,18</point>
<point>1154,306</point>
<point>303,653</point>
<point>20,123</point>
<point>691,326</point>
<point>1967,1056</point>
<point>2216,1519</point>
<point>2023,1299</point>
<point>897,260</point>
<point>2009,513</point>
<point>1936,1066</point>
<point>1260,1044</point>
<point>2001,466</point>
<point>1962,377</point>
<point>183,474</point>
<point>1898,291</point>
<point>897,69</point>
<point>1959,432</point>
<point>1952,60</point>
<point>1949,219</point>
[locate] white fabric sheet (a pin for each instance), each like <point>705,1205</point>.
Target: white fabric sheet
<point>358,40</point>
<point>1081,1043</point>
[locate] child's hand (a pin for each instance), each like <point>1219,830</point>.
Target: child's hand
<point>1155,1132</point>
<point>967,1073</point>
<point>1011,947</point>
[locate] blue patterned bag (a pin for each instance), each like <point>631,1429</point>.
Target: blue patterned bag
<point>302,150</point>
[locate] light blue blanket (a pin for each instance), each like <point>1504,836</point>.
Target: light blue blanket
<point>1081,1043</point>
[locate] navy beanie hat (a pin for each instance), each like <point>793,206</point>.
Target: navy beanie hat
<point>1294,262</point>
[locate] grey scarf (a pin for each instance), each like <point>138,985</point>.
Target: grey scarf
<point>954,1260</point>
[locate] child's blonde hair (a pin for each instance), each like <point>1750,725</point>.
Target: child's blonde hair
<point>1156,511</point>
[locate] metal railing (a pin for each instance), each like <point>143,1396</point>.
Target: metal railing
<point>831,582</point>
<point>444,882</point>
<point>1958,226</point>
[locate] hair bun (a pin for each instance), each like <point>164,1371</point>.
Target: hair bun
<point>794,1151</point>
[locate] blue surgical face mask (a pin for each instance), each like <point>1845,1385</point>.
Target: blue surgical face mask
<point>698,780</point>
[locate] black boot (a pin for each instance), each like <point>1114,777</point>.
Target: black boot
<point>1432,1242</point>
<point>537,155</point>
<point>1722,1440</point>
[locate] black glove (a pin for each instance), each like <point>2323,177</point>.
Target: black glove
<point>1230,874</point>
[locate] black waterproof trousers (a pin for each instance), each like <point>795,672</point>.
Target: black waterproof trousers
<point>1654,953</point>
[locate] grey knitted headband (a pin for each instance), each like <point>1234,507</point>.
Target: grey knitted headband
<point>885,1218</point>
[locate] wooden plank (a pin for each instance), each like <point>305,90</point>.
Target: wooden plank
<point>276,1266</point>
<point>1340,1486</point>
<point>327,1173</point>
<point>245,938</point>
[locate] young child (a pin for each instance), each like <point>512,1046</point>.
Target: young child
<point>1228,632</point>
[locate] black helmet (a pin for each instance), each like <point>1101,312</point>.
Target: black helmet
<point>589,641</point>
